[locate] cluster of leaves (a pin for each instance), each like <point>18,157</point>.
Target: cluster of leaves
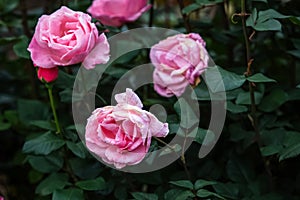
<point>36,163</point>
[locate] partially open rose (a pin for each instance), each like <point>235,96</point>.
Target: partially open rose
<point>178,61</point>
<point>67,37</point>
<point>117,12</point>
<point>121,134</point>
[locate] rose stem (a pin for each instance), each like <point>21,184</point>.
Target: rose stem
<point>49,87</point>
<point>253,116</point>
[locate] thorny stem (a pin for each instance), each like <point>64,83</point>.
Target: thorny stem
<point>253,116</point>
<point>49,87</point>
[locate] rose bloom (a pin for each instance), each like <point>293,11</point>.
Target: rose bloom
<point>117,12</point>
<point>178,62</point>
<point>67,37</point>
<point>48,75</point>
<point>121,134</point>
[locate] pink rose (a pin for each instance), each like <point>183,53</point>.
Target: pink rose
<point>1,198</point>
<point>117,12</point>
<point>65,38</point>
<point>178,62</point>
<point>121,134</point>
<point>48,75</point>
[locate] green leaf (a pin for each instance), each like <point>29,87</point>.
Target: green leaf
<point>295,53</point>
<point>270,150</point>
<point>183,183</point>
<point>46,164</point>
<point>202,183</point>
<point>264,1</point>
<point>229,190</point>
<point>32,110</point>
<point>244,98</point>
<point>289,152</point>
<point>217,78</point>
<point>298,86</point>
<point>239,171</point>
<point>4,125</point>
<point>190,8</point>
<point>202,134</point>
<point>8,5</point>
<point>51,183</point>
<point>64,80</point>
<point>274,100</point>
<point>188,117</point>
<point>120,193</point>
<point>77,148</point>
<point>68,194</point>
<point>177,194</point>
<point>231,107</point>
<point>85,168</point>
<point>21,48</point>
<point>144,196</point>
<point>93,184</point>
<point>44,144</point>
<point>205,193</point>
<point>259,78</point>
<point>44,125</point>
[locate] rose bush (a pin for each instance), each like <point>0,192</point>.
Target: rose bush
<point>178,62</point>
<point>117,12</point>
<point>66,37</point>
<point>121,135</point>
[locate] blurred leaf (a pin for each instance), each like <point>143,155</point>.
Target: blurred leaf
<point>85,169</point>
<point>295,53</point>
<point>34,176</point>
<point>51,183</point>
<point>289,152</point>
<point>93,184</point>
<point>202,183</point>
<point>3,124</point>
<point>64,80</point>
<point>203,133</point>
<point>298,86</point>
<point>238,171</point>
<point>121,193</point>
<point>236,108</point>
<point>229,190</point>
<point>31,110</point>
<point>44,125</point>
<point>46,164</point>
<point>177,194</point>
<point>20,48</point>
<point>68,194</point>
<point>205,193</point>
<point>244,98</point>
<point>44,144</point>
<point>270,150</point>
<point>183,183</point>
<point>144,196</point>
<point>77,148</point>
<point>264,1</point>
<point>8,5</point>
<point>190,8</point>
<point>216,77</point>
<point>187,115</point>
<point>8,40</point>
<point>259,78</point>
<point>275,99</point>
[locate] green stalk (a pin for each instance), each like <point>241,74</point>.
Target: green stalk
<point>49,87</point>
